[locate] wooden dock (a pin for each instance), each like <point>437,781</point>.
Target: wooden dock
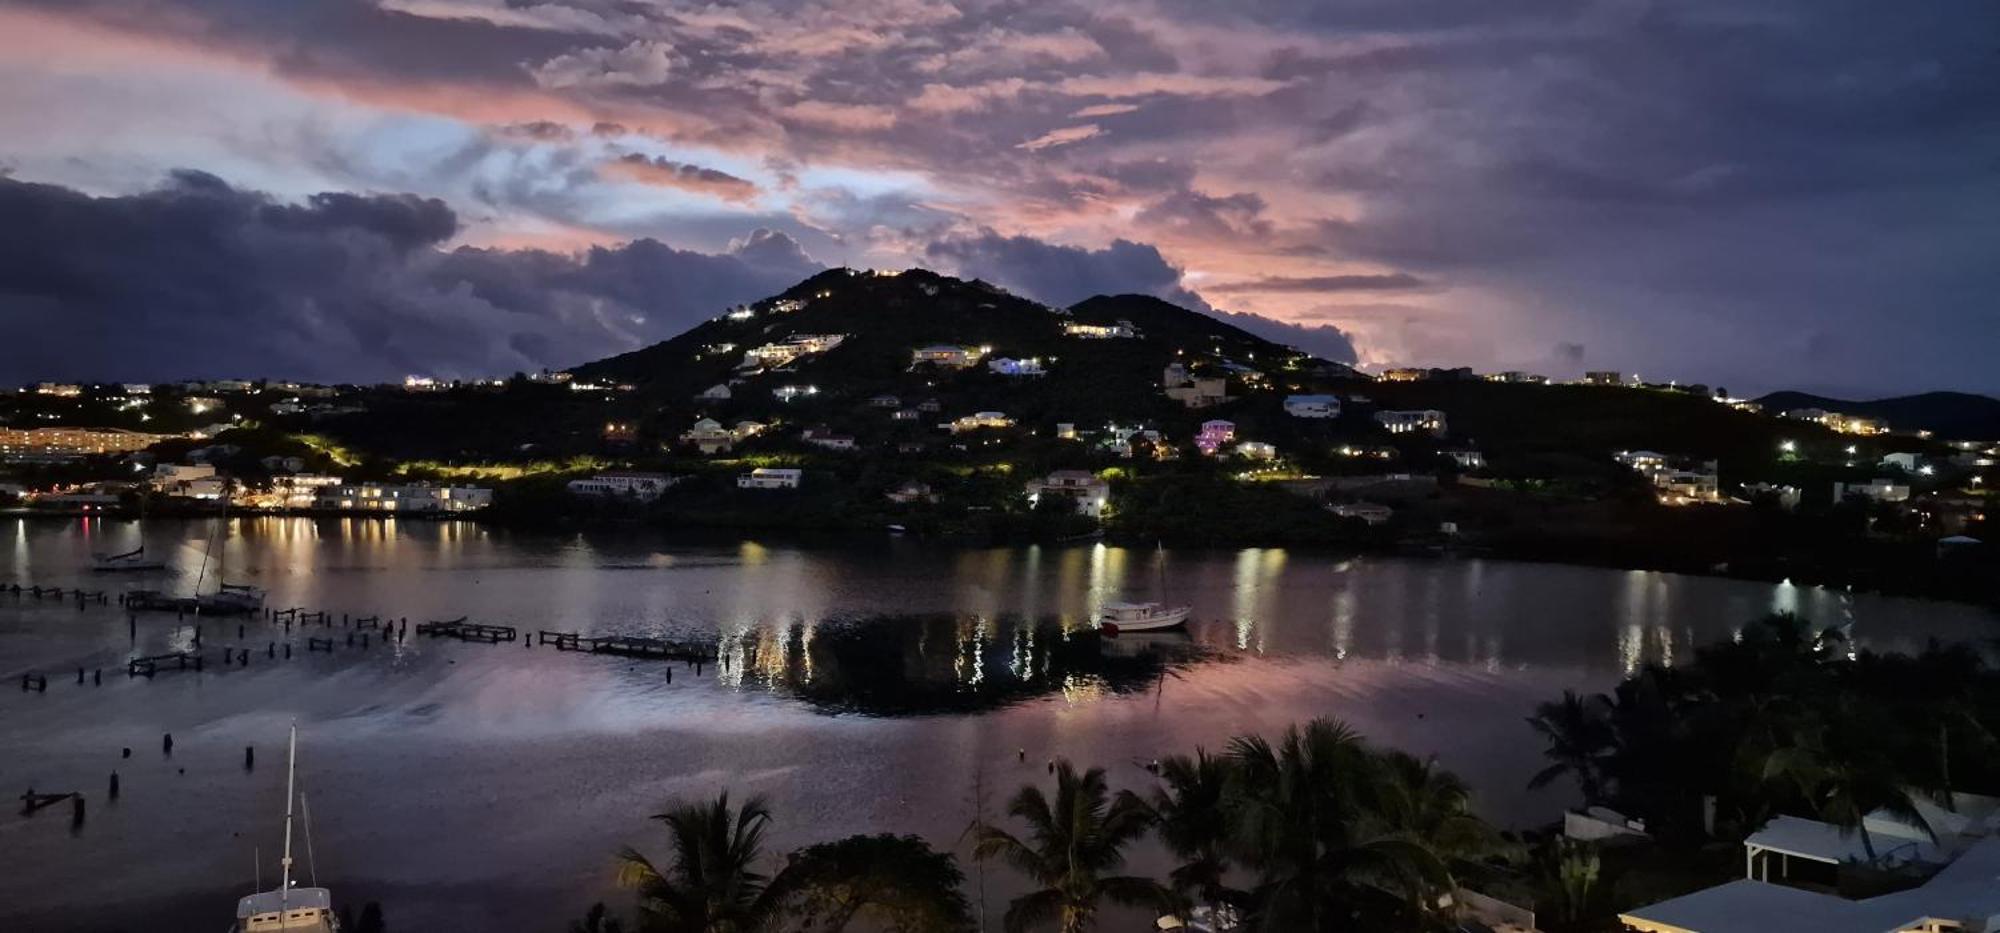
<point>147,667</point>
<point>631,646</point>
<point>468,631</point>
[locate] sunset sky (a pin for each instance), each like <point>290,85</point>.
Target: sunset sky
<point>1758,195</point>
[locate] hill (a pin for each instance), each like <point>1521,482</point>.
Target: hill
<point>1951,415</point>
<point>881,319</point>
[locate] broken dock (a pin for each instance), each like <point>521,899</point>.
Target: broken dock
<point>629,646</point>
<point>468,631</point>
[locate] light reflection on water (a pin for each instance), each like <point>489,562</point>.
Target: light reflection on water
<point>867,683</point>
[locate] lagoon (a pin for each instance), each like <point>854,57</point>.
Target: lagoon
<point>868,685</point>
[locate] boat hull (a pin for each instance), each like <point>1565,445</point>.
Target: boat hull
<point>128,566</point>
<point>1149,622</point>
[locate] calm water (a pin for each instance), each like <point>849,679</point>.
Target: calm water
<point>871,687</point>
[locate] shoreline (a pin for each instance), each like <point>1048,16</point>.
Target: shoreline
<point>1614,554</point>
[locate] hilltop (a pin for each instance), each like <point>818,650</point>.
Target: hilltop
<point>1958,415</point>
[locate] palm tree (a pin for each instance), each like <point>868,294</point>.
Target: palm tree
<point>1300,818</point>
<point>1848,773</point>
<point>1073,843</point>
<point>897,884</point>
<point>1430,807</point>
<point>1580,743</point>
<point>1189,817</point>
<point>713,885</point>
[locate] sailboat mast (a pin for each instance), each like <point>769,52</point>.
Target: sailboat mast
<point>291,756</point>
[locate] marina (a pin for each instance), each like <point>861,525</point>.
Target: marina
<point>894,673</point>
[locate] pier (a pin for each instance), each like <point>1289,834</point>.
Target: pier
<point>148,666</point>
<point>468,631</point>
<point>629,646</point>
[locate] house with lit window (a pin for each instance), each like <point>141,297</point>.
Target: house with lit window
<point>1123,330</point>
<point>978,420</point>
<point>770,478</point>
<point>1408,422</point>
<point>403,498</point>
<point>947,355</point>
<point>709,436</point>
<point>1256,450</point>
<point>1214,435</point>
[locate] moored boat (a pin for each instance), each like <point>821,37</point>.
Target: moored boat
<point>130,561</point>
<point>288,909</point>
<point>1139,617</point>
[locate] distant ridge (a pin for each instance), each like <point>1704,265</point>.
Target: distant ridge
<point>1952,415</point>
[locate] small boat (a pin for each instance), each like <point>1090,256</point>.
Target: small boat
<point>231,599</point>
<point>129,561</point>
<point>288,909</point>
<point>898,529</point>
<point>1139,617</point>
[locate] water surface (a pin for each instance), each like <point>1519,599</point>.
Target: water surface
<point>869,686</point>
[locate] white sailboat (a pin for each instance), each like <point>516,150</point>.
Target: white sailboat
<point>288,909</point>
<point>228,598</point>
<point>1115,617</point>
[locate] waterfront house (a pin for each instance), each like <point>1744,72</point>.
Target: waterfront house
<point>1312,406</point>
<point>402,498</point>
<point>930,406</point>
<point>770,478</point>
<point>1083,488</point>
<point>623,484</point>
<point>884,401</point>
<point>718,392</point>
<point>1603,378</point>
<point>1256,450</point>
<point>789,393</point>
<point>1405,422</point>
<point>1405,374</point>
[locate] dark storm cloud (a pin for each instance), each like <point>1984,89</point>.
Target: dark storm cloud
<point>198,278</point>
<point>1065,275</point>
<point>1678,185</point>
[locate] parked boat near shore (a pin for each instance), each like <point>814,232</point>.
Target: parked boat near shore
<point>129,562</point>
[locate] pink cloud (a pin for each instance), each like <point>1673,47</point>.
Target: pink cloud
<point>698,179</point>
<point>1062,137</point>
